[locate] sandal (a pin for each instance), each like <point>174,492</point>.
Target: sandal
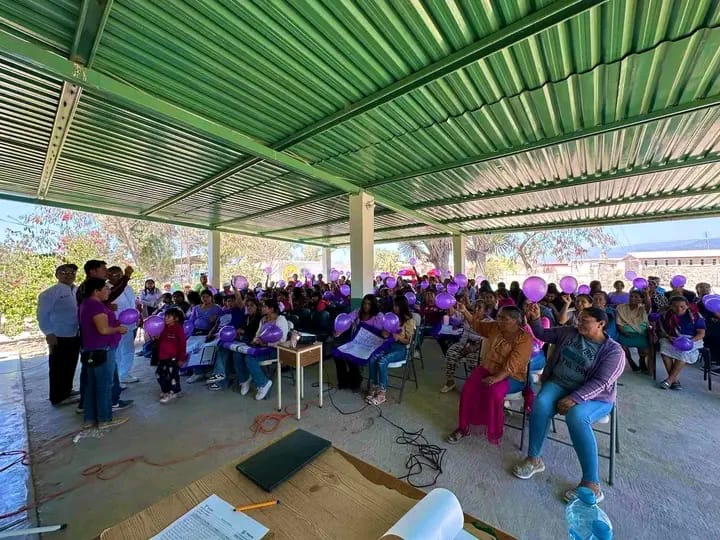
<point>379,398</point>
<point>665,385</point>
<point>372,392</point>
<point>456,436</point>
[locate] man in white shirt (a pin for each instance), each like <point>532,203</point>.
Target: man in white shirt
<point>126,348</point>
<point>57,315</point>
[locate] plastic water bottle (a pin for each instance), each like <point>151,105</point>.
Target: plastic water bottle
<point>585,520</point>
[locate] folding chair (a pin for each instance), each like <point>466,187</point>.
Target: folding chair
<point>408,364</point>
<point>533,377</point>
<point>614,434</point>
<point>706,359</point>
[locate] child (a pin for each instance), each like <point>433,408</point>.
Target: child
<point>171,354</point>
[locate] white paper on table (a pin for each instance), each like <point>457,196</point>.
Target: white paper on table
<point>437,516</point>
<point>213,519</point>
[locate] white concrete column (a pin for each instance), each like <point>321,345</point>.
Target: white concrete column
<point>458,244</point>
<point>214,259</point>
<point>362,256</point>
<point>327,262</point>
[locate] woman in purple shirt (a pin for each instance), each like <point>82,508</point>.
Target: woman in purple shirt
<point>579,382</point>
<point>100,333</point>
<point>204,316</point>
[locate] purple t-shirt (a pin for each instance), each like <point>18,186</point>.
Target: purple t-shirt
<point>91,338</point>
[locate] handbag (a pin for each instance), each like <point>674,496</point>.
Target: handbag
<point>94,357</point>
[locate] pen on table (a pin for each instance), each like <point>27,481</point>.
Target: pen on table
<point>257,505</point>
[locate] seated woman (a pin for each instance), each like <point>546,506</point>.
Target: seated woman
<point>233,315</point>
<point>455,319</point>
<point>579,382</point>
<point>348,373</point>
<point>618,297</point>
<point>600,300</point>
<point>569,316</point>
<point>247,366</point>
<point>679,320</point>
<point>467,349</point>
<point>204,316</point>
<point>378,365</point>
<point>632,324</point>
<point>503,370</point>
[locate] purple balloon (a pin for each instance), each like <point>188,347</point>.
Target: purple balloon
<point>682,343</point>
<point>281,283</point>
<point>240,283</point>
<point>445,300</point>
<point>298,284</point>
<point>640,283</point>
<point>412,261</point>
<point>654,316</point>
<point>712,303</point>
<point>534,288</point>
<point>334,275</point>
<point>630,274</point>
<point>411,298</point>
<point>390,282</point>
<point>391,323</point>
<point>453,287</point>
<point>583,289</point>
<point>345,290</point>
<point>424,284</point>
<point>154,325</point>
<point>129,316</point>
<point>461,280</point>
<point>568,284</point>
<point>343,322</point>
<point>188,328</point>
<point>270,333</point>
<point>439,287</point>
<point>678,281</point>
<point>327,295</point>
<point>227,334</point>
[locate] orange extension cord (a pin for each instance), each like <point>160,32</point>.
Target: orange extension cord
<point>263,423</point>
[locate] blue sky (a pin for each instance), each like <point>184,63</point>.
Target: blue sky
<point>625,234</point>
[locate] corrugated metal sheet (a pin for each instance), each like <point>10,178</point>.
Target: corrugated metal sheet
<point>50,23</point>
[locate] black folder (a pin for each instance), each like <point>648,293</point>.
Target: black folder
<point>272,466</point>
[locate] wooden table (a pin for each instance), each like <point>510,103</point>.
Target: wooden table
<point>301,356</point>
<point>336,497</point>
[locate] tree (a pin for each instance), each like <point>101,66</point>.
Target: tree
<point>248,256</point>
<point>387,260</point>
<point>479,247</point>
<point>435,251</point>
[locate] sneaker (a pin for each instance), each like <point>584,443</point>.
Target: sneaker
<point>215,387</point>
<point>244,387</point>
<point>68,401</point>
<point>676,386</point>
<point>122,404</point>
<point>114,422</point>
<point>88,425</point>
<point>215,379</point>
<point>527,469</point>
<point>571,494</point>
<point>263,390</point>
<point>194,378</point>
<point>168,398</point>
<point>129,380</point>
<point>448,387</point>
<point>79,410</point>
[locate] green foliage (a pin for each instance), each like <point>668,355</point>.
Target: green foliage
<point>248,256</point>
<point>387,261</point>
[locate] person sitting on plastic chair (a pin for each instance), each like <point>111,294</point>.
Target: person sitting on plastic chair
<point>578,382</point>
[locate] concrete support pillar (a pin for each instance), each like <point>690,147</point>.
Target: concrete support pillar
<point>362,257</point>
<point>458,242</point>
<point>214,259</point>
<point>327,262</point>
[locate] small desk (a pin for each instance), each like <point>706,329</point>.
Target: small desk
<point>336,497</point>
<point>303,355</point>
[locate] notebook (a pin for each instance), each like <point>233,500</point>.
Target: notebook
<point>272,466</point>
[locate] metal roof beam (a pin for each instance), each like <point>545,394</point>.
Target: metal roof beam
<point>277,209</point>
<point>571,182</point>
<point>90,27</point>
<point>625,123</point>
<point>536,22</point>
<point>648,197</point>
<point>56,66</point>
<point>324,223</point>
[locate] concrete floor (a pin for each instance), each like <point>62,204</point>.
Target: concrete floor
<point>667,481</point>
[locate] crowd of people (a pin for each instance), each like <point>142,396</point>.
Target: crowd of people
<point>577,344</point>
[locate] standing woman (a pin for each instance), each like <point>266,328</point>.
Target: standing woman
<point>677,321</point>
<point>632,324</point>
<point>100,333</point>
<point>150,298</point>
<point>378,366</point>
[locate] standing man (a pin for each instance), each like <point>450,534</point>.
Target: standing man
<point>57,315</point>
<point>124,300</point>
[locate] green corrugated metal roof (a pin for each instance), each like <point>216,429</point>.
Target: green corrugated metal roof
<point>458,115</point>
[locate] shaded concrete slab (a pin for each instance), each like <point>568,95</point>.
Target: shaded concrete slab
<point>667,485</point>
<point>15,479</point>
